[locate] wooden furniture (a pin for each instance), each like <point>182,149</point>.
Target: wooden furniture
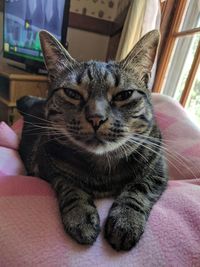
<point>15,83</point>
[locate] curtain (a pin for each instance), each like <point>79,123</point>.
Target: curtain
<point>132,28</point>
<point>143,16</point>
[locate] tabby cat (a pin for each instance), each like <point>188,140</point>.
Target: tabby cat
<point>95,136</point>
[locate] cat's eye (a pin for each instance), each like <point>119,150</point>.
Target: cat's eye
<point>123,95</point>
<point>73,94</point>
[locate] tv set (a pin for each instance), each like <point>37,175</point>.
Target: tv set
<point>23,19</point>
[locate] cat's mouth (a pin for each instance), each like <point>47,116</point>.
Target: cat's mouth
<point>95,140</point>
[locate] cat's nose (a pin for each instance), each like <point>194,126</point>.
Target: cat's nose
<point>96,121</point>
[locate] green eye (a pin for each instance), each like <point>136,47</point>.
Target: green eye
<point>73,94</point>
<point>123,95</point>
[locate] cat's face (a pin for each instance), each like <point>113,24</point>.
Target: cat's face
<point>99,106</point>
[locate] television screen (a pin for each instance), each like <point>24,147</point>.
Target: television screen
<point>22,21</point>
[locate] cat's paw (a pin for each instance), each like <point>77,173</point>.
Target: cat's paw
<point>82,223</point>
<point>124,227</point>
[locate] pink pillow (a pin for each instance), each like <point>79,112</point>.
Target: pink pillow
<point>10,162</point>
<point>181,138</point>
<point>31,232</point>
<point>8,138</point>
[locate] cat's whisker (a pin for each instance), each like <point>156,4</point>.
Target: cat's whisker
<point>33,128</point>
<point>124,152</point>
<point>38,129</point>
<point>109,162</point>
<point>128,146</point>
<point>43,133</point>
<point>155,152</point>
<point>178,157</point>
<point>142,156</point>
<point>150,137</point>
<point>59,138</point>
<point>184,162</point>
<point>35,117</point>
<point>36,126</point>
<point>171,155</point>
<point>153,138</point>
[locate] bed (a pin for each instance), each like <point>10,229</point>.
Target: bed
<point>31,232</point>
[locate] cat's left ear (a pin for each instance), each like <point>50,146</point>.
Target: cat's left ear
<point>141,58</point>
<point>55,55</point>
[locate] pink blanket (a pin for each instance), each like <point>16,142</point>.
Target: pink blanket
<point>31,233</point>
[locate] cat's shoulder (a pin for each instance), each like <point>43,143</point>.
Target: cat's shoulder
<point>31,107</point>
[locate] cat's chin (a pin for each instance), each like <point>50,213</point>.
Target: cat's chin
<point>98,146</point>
<point>103,147</point>
<point>94,146</point>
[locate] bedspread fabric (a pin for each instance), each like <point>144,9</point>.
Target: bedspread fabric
<point>31,232</point>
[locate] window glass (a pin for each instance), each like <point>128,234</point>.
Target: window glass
<point>191,18</point>
<point>179,67</point>
<point>193,102</point>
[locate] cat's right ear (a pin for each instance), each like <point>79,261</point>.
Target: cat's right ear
<point>56,57</point>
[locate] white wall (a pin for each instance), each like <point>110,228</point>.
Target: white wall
<point>105,10</point>
<point>85,45</point>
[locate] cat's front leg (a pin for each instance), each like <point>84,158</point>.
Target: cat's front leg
<point>78,212</point>
<point>129,213</point>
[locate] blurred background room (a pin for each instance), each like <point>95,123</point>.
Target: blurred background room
<point>101,30</point>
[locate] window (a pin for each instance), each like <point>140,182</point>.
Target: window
<point>179,72</point>
<point>193,101</point>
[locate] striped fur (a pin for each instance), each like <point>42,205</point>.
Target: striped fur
<point>92,137</point>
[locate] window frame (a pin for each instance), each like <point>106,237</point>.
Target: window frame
<point>165,56</point>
